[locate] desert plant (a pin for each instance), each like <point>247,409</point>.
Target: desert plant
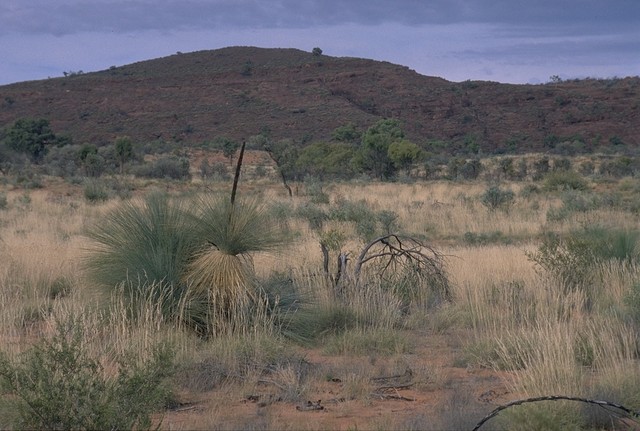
<point>123,148</point>
<point>145,246</point>
<point>223,269</point>
<point>367,342</point>
<point>57,384</point>
<point>569,260</point>
<point>32,137</point>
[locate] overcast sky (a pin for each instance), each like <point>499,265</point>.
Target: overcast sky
<point>512,41</point>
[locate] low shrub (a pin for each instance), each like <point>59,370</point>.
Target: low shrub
<point>367,342</point>
<point>171,167</point>
<point>312,323</point>
<point>572,259</point>
<point>485,238</point>
<point>495,198</point>
<point>57,384</point>
<point>95,191</point>
<point>564,180</point>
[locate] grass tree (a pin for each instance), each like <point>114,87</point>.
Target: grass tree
<point>222,272</point>
<point>145,247</point>
<point>197,263</point>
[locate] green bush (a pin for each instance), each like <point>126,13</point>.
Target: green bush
<point>485,238</point>
<point>3,201</point>
<point>632,301</point>
<point>367,222</point>
<point>564,180</point>
<point>313,214</point>
<point>95,191</point>
<point>622,166</point>
<point>58,385</point>
<point>172,167</point>
<point>313,323</point>
<point>495,198</point>
<point>572,259</point>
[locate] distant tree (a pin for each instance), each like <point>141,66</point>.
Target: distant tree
<point>285,154</point>
<point>404,154</point>
<point>229,149</point>
<point>316,51</point>
<point>471,169</point>
<point>346,133</point>
<point>326,160</point>
<point>94,165</point>
<point>85,150</point>
<point>31,137</point>
<point>124,151</point>
<point>247,68</point>
<point>373,155</point>
<point>205,169</point>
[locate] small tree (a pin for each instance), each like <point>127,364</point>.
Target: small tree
<point>373,155</point>
<point>285,155</point>
<point>124,151</point>
<point>326,159</point>
<point>31,137</point>
<point>404,154</point>
<point>347,133</point>
<point>247,68</point>
<point>316,51</point>
<point>229,149</point>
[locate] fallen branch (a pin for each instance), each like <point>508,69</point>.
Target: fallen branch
<point>407,375</point>
<point>393,387</point>
<point>632,414</point>
<point>392,397</point>
<point>310,406</point>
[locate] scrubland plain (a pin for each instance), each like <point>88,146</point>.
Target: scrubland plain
<point>543,298</point>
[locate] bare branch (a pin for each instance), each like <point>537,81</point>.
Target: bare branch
<point>393,250</point>
<point>631,414</point>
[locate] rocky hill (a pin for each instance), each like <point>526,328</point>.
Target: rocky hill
<point>242,91</point>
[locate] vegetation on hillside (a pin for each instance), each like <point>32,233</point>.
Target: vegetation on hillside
<point>242,91</point>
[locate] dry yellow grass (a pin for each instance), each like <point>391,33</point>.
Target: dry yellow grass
<point>536,330</point>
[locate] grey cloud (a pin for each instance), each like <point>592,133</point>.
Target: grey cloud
<point>571,52</point>
<point>65,17</point>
